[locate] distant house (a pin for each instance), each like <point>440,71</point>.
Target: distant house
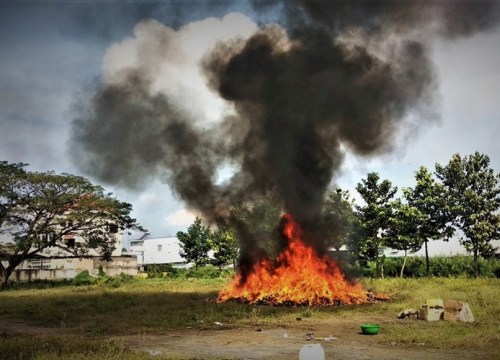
<point>55,262</point>
<point>73,240</point>
<point>158,251</point>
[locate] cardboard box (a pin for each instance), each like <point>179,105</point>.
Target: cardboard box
<point>457,311</point>
<point>430,314</point>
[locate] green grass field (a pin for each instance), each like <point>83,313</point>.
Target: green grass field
<point>87,317</point>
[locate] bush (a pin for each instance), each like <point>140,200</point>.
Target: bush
<point>439,266</point>
<point>115,281</point>
<point>39,284</point>
<point>162,270</point>
<point>204,272</point>
<point>83,278</point>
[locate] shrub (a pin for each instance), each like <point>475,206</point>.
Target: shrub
<point>83,278</point>
<point>439,266</point>
<point>162,270</point>
<point>204,272</point>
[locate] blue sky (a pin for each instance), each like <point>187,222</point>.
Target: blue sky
<point>51,53</point>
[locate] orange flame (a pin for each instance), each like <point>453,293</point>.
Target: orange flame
<point>301,276</point>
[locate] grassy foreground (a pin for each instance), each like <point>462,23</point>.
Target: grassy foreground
<point>85,318</point>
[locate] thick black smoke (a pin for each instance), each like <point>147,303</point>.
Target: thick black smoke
<point>341,75</point>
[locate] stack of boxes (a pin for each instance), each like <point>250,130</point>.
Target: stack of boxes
<point>436,309</point>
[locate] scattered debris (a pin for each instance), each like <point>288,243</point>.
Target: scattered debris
<point>458,311</point>
<point>153,352</point>
<point>408,314</point>
<point>218,323</point>
<point>377,297</point>
<point>309,336</point>
<point>330,338</point>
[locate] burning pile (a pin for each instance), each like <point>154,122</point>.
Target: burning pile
<point>298,276</point>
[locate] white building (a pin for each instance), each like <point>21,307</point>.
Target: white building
<point>163,250</point>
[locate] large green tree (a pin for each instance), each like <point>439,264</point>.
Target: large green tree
<point>338,213</point>
<point>254,225</point>
<point>431,199</point>
<point>41,210</point>
<point>224,246</point>
<point>195,243</point>
<point>374,217</point>
<point>402,233</point>
<point>474,195</point>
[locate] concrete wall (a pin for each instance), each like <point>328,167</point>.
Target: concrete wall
<point>68,268</point>
<point>122,264</point>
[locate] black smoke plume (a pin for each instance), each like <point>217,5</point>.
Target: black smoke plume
<point>334,76</point>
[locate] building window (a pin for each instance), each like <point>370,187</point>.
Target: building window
<point>159,247</point>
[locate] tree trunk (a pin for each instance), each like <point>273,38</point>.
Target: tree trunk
<point>476,262</point>
<point>377,263</point>
<point>7,271</point>
<point>403,267</point>
<point>6,274</point>
<point>426,258</point>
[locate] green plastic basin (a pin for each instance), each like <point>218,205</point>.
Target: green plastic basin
<point>370,329</point>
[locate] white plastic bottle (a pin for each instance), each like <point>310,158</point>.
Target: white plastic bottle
<point>312,352</point>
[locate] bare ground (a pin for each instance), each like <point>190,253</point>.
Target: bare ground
<point>253,342</point>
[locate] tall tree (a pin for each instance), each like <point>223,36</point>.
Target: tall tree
<point>195,243</point>
<point>374,216</point>
<point>43,210</point>
<point>224,246</point>
<point>254,225</point>
<point>338,217</point>
<point>402,233</point>
<point>431,199</point>
<point>475,199</point>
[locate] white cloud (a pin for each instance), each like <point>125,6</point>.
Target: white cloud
<point>182,217</point>
<point>172,59</point>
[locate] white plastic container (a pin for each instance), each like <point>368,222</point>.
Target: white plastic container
<point>312,352</point>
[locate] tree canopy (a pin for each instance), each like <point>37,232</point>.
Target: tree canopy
<point>195,243</point>
<point>402,232</point>
<point>41,210</point>
<point>474,196</point>
<point>430,199</point>
<point>224,246</point>
<point>338,218</point>
<point>374,216</point>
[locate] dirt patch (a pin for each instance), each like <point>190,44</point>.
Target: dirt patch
<point>285,343</point>
<point>340,340</point>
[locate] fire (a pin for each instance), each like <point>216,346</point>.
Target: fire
<point>298,276</point>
